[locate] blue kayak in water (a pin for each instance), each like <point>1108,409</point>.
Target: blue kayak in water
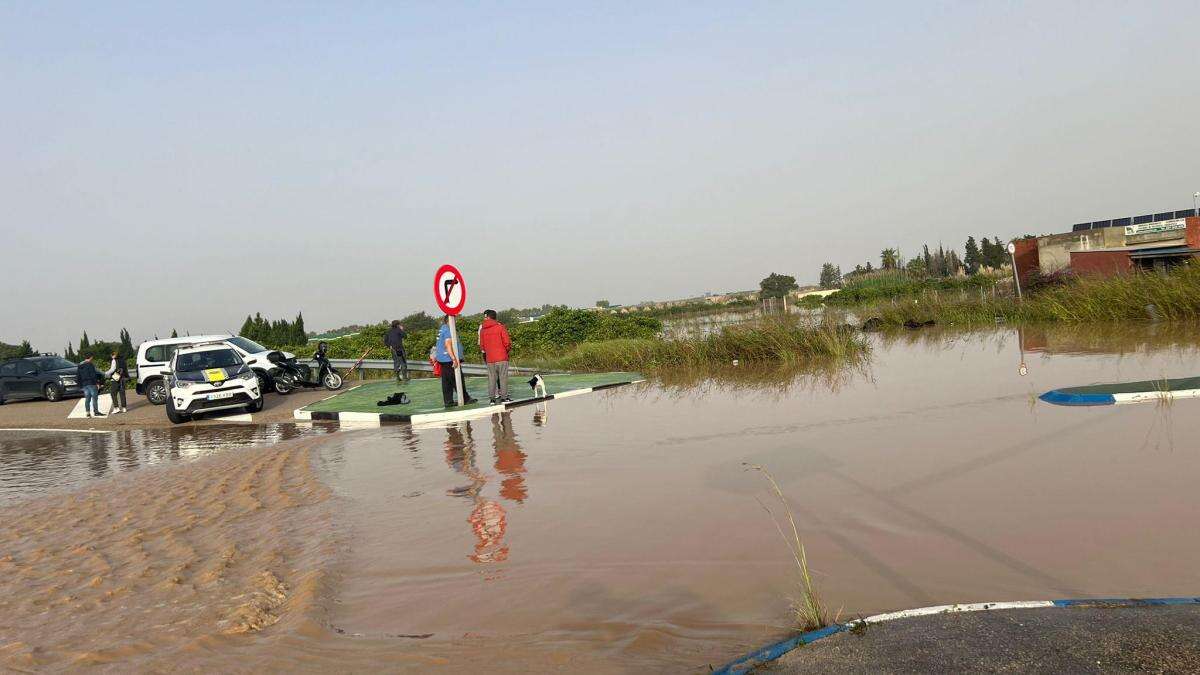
<point>1125,392</point>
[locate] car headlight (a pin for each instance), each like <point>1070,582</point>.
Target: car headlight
<point>66,379</point>
<point>183,384</point>
<point>248,375</point>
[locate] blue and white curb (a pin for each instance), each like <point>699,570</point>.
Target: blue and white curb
<point>377,419</point>
<point>778,649</point>
<point>1064,397</point>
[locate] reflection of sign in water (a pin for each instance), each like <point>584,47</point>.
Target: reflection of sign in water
<point>1156,228</point>
<point>449,290</point>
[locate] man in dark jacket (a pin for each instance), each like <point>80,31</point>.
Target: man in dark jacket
<point>395,340</point>
<point>89,380</point>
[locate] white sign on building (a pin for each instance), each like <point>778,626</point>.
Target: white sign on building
<point>1154,228</point>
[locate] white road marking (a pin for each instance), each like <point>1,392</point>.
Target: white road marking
<point>953,609</point>
<point>79,411</point>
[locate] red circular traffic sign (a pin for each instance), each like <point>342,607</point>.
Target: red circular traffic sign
<point>449,290</point>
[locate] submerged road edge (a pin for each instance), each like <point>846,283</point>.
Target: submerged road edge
<point>453,416</point>
<point>775,650</point>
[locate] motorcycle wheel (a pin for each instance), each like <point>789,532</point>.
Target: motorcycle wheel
<point>333,380</point>
<point>284,383</point>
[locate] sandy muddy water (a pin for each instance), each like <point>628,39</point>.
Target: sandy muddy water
<point>622,532</point>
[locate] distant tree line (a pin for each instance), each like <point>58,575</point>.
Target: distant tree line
<point>275,333</point>
<point>100,350</point>
<point>930,262</point>
<point>8,351</point>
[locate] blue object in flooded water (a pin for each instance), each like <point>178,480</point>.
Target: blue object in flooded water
<point>1125,392</point>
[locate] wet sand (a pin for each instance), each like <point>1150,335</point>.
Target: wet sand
<point>621,532</point>
<point>164,566</point>
<point>41,414</point>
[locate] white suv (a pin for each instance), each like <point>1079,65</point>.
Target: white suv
<point>154,355</point>
<point>208,377</point>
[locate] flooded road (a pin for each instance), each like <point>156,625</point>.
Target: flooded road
<point>622,531</point>
<point>35,463</point>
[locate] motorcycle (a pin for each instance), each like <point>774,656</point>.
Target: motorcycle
<point>289,374</point>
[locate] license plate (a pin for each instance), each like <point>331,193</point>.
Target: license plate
<point>221,395</point>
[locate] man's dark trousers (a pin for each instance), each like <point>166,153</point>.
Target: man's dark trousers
<point>400,364</point>
<point>448,384</point>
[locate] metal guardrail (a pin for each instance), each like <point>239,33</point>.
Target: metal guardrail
<point>422,366</point>
<point>386,364</point>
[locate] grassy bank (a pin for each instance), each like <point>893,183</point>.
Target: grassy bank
<point>777,340</point>
<point>886,284</point>
<point>1142,296</point>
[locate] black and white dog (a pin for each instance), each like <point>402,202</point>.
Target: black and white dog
<point>535,383</point>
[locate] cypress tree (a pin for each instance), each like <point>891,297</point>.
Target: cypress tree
<point>971,256</point>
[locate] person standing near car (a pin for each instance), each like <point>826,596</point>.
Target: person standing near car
<point>450,362</point>
<point>395,340</point>
<point>117,375</point>
<point>89,380</point>
<point>495,344</point>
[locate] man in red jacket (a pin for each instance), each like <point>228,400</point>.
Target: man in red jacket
<point>495,343</point>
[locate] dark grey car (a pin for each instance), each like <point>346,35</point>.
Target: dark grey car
<point>48,377</point>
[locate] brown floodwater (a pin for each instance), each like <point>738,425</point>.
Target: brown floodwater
<point>621,531</point>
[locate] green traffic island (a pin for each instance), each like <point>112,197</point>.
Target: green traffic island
<point>361,404</point>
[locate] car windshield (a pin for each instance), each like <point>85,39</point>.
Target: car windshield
<point>212,358</point>
<point>55,363</point>
<point>248,346</point>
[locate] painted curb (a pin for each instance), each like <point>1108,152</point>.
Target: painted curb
<point>453,416</point>
<point>778,649</point>
<point>1060,397</point>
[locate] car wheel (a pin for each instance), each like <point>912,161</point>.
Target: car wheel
<point>156,392</point>
<point>174,415</point>
<point>264,383</point>
<point>256,406</point>
<point>52,392</point>
<point>284,383</point>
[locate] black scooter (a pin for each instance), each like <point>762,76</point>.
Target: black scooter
<point>288,374</point>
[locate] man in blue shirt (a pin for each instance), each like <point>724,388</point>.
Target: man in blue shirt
<point>451,363</point>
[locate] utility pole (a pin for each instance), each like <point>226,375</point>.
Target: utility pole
<point>1012,254</point>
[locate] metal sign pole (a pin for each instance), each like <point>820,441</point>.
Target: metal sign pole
<point>458,376</point>
<point>1012,253</point>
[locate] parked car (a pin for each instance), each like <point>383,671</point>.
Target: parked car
<point>208,377</point>
<point>48,377</point>
<point>154,356</point>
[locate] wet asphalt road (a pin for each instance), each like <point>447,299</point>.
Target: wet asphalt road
<point>1052,640</point>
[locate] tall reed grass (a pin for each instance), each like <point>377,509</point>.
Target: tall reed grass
<point>809,610</point>
<point>779,340</point>
<point>1134,297</point>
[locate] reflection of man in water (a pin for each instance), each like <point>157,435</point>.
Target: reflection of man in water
<point>488,520</point>
<point>510,461</point>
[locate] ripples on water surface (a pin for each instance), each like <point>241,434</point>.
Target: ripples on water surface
<point>36,463</point>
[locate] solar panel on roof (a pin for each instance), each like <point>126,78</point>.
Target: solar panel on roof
<point>1185,214</point>
<point>1121,222</point>
<point>1100,223</point>
<point>1079,227</point>
<point>1164,216</point>
<point>1138,220</point>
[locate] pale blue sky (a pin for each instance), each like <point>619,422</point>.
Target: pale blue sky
<point>179,166</point>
